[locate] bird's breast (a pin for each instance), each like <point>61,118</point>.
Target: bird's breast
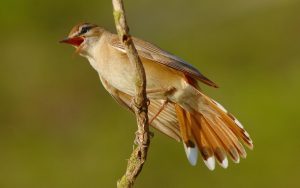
<point>115,67</point>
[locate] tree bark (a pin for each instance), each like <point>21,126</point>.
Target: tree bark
<point>140,106</point>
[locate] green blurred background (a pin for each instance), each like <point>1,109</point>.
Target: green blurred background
<point>60,128</point>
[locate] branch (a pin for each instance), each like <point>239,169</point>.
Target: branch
<point>140,107</point>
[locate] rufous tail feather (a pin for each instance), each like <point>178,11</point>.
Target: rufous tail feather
<point>213,131</point>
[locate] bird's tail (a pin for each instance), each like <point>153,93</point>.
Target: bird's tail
<point>213,131</point>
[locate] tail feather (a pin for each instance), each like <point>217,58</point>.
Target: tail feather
<point>238,146</point>
<point>185,130</point>
<point>224,138</point>
<point>216,132</point>
<point>214,142</point>
<point>204,147</point>
<point>229,140</point>
<point>232,123</point>
<point>186,135</point>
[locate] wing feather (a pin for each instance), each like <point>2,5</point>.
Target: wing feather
<point>154,53</point>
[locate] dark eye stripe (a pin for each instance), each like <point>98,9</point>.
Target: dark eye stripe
<point>84,29</point>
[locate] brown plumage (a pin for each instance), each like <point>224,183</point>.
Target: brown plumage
<point>178,108</point>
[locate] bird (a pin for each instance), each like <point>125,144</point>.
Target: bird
<point>177,105</point>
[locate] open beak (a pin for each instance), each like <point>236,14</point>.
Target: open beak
<point>75,41</point>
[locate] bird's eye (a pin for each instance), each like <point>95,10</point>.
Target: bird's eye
<point>84,29</point>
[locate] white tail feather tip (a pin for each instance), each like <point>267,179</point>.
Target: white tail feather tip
<point>210,163</point>
<point>192,154</point>
<point>238,123</point>
<point>246,134</point>
<point>237,161</point>
<point>224,163</point>
<point>220,106</point>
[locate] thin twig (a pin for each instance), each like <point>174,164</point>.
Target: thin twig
<point>139,155</point>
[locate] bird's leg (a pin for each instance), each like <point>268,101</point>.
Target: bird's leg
<point>165,103</point>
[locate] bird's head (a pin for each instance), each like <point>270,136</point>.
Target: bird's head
<point>83,36</point>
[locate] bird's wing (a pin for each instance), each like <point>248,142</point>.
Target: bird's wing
<point>166,122</point>
<point>154,53</point>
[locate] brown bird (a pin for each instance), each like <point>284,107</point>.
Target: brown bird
<point>178,108</point>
